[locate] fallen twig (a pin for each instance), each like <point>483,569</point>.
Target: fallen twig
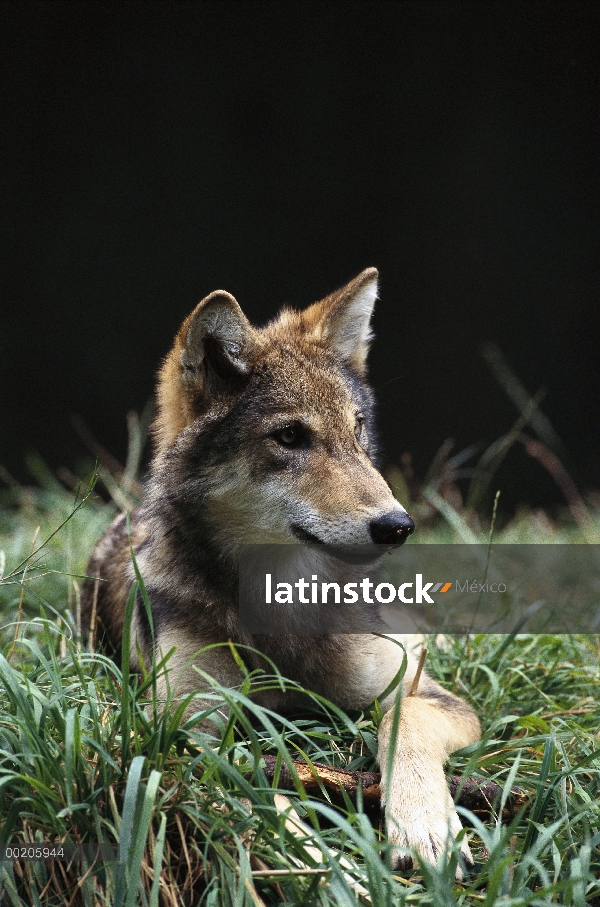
<point>480,796</point>
<point>298,829</point>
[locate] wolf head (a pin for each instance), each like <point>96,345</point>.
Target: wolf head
<point>266,434</point>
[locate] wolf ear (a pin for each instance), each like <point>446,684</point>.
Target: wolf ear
<point>217,337</point>
<point>212,354</point>
<point>342,320</point>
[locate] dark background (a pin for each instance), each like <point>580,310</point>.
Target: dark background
<point>153,152</point>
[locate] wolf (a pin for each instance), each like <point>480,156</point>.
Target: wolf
<point>267,435</point>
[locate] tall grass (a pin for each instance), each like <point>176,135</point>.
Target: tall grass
<point>84,758</point>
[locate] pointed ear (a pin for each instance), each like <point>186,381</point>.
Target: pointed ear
<point>212,355</point>
<point>342,320</point>
<point>217,337</point>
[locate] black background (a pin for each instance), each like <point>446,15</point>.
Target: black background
<point>153,152</point>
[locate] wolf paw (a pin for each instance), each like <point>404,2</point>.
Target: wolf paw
<point>428,830</point>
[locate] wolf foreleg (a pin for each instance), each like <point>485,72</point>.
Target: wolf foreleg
<point>420,812</point>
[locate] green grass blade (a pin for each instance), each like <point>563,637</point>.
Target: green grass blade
<point>134,870</point>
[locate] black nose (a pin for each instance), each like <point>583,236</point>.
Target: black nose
<point>391,528</point>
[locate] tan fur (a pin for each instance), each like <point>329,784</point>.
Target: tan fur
<point>223,476</point>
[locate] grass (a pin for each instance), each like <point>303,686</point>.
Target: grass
<point>83,759</point>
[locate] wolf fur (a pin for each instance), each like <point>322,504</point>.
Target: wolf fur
<point>267,435</point>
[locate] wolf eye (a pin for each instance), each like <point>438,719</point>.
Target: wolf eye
<point>358,428</point>
<point>290,436</point>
